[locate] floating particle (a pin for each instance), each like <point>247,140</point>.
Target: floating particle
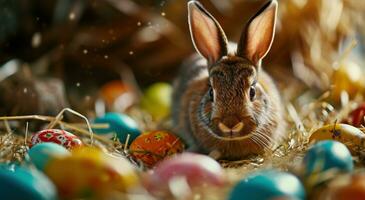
<point>36,40</point>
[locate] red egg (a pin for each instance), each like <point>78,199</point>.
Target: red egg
<point>61,137</point>
<point>151,147</point>
<point>356,117</point>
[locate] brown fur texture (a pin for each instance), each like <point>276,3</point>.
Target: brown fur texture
<point>209,92</point>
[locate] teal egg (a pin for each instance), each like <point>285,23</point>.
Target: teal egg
<point>326,155</point>
<point>119,124</point>
<point>268,185</point>
<point>42,153</point>
<point>21,183</point>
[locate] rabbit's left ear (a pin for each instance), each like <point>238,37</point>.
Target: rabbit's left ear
<point>257,36</point>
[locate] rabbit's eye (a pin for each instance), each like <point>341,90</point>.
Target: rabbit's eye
<point>252,93</point>
<point>211,95</point>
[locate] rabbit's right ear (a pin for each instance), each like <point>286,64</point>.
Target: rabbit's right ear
<point>207,35</point>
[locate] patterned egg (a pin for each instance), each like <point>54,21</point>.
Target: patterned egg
<point>351,136</point>
<point>117,95</point>
<point>356,117</point>
<point>327,155</point>
<point>157,100</point>
<point>42,153</point>
<point>21,183</point>
<point>268,185</point>
<point>92,174</point>
<point>120,125</point>
<point>62,137</point>
<point>151,147</point>
<point>196,169</point>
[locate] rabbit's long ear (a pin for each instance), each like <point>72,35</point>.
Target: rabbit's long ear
<point>257,36</point>
<point>207,35</point>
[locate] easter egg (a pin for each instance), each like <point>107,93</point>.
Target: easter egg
<point>157,100</point>
<point>117,95</point>
<point>348,78</point>
<point>151,147</point>
<point>21,183</point>
<point>61,137</point>
<point>351,136</point>
<point>90,173</point>
<point>348,187</point>
<point>268,185</point>
<point>119,124</point>
<point>356,117</point>
<point>327,155</point>
<point>41,154</point>
<point>195,169</point>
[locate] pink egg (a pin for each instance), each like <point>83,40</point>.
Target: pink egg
<point>58,136</point>
<point>196,169</point>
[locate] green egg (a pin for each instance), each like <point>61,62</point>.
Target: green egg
<point>157,100</point>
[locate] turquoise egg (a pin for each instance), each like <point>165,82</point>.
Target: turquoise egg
<point>268,185</point>
<point>119,124</point>
<point>325,155</point>
<point>21,183</point>
<point>42,153</point>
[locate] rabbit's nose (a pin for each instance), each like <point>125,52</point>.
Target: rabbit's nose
<point>236,128</point>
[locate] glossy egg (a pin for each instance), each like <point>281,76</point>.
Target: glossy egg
<point>195,169</point>
<point>351,136</point>
<point>327,155</point>
<point>151,147</point>
<point>356,117</point>
<point>120,125</point>
<point>42,153</point>
<point>90,173</point>
<point>348,77</point>
<point>21,183</point>
<point>268,185</point>
<point>61,137</point>
<point>117,95</point>
<point>157,100</point>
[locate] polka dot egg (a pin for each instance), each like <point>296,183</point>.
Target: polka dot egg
<point>61,137</point>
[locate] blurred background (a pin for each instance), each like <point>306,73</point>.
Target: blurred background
<point>62,53</point>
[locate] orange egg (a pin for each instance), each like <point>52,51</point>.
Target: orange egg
<point>151,147</point>
<point>353,188</point>
<point>117,95</point>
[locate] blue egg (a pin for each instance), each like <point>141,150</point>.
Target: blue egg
<point>42,153</point>
<point>268,185</point>
<point>119,124</point>
<point>325,155</point>
<point>19,183</point>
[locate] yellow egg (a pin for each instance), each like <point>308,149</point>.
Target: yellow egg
<point>348,77</point>
<point>90,173</point>
<point>157,100</point>
<point>351,136</point>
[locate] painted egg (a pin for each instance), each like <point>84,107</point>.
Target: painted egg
<point>356,117</point>
<point>120,125</point>
<point>117,95</point>
<point>268,185</point>
<point>21,183</point>
<point>348,187</point>
<point>157,100</point>
<point>195,169</point>
<point>348,78</point>
<point>58,136</point>
<point>327,155</point>
<point>90,173</point>
<point>41,154</point>
<point>351,136</point>
<point>151,147</point>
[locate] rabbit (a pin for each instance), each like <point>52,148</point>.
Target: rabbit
<point>223,101</point>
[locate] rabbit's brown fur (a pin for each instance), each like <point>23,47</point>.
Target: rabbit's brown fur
<point>223,101</point>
